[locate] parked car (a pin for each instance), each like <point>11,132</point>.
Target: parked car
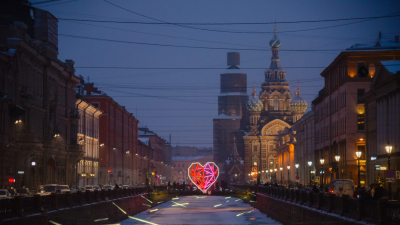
<point>108,187</point>
<point>12,192</point>
<point>346,184</point>
<point>125,186</point>
<point>64,188</point>
<point>96,187</point>
<point>49,188</point>
<point>24,192</point>
<point>82,189</point>
<point>4,193</point>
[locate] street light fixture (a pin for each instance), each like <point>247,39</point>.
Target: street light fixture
<point>389,148</point>
<point>281,175</point>
<point>288,176</point>
<point>358,155</point>
<point>337,158</point>
<point>322,171</point>
<point>309,169</point>
<point>297,169</point>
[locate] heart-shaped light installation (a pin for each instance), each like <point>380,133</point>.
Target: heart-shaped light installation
<point>203,176</point>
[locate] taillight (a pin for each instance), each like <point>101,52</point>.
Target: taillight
<point>331,191</point>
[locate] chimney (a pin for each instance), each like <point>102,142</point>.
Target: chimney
<point>233,60</point>
<point>396,39</point>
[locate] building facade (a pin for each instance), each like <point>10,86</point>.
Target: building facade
<point>161,152</point>
<point>340,111</point>
<point>88,138</point>
<point>118,138</point>
<point>304,149</point>
<point>38,117</point>
<point>382,110</point>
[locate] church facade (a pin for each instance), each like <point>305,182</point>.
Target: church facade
<point>269,113</point>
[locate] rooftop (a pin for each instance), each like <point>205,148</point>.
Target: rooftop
<point>392,66</point>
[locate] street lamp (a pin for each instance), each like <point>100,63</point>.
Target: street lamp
<point>309,169</point>
<point>288,177</point>
<point>358,155</point>
<point>297,169</point>
<point>389,148</point>
<point>281,175</point>
<point>322,171</point>
<point>337,158</point>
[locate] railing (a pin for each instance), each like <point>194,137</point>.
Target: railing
<point>359,209</point>
<point>20,206</point>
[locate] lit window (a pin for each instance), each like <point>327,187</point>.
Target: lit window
<point>360,122</point>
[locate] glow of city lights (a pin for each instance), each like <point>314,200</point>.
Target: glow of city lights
<point>153,210</point>
<point>102,219</point>
<point>144,221</point>
<point>228,197</point>
<point>203,176</point>
<point>175,198</point>
<point>159,202</point>
<point>217,205</point>
<point>119,208</point>
<point>245,212</point>
<point>147,199</point>
<point>238,199</point>
<point>252,201</point>
<point>55,223</point>
<point>147,205</point>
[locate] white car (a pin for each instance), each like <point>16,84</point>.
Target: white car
<point>64,188</point>
<point>92,187</point>
<point>346,184</point>
<point>4,193</point>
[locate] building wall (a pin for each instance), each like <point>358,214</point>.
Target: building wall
<point>118,139</point>
<point>88,138</point>
<point>337,110</point>
<point>37,112</point>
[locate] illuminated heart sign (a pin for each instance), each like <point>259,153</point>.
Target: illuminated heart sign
<point>203,176</point>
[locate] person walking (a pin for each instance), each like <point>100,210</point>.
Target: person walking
<point>339,193</point>
<point>116,186</point>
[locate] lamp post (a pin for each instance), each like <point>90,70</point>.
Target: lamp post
<point>358,155</point>
<point>276,179</point>
<point>281,175</point>
<point>288,175</point>
<point>337,158</point>
<point>388,148</point>
<point>309,170</point>
<point>297,170</point>
<point>322,171</point>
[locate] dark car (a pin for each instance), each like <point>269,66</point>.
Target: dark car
<point>12,192</point>
<point>306,189</point>
<point>24,192</point>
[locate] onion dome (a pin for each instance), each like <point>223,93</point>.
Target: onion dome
<point>275,42</point>
<point>254,104</point>
<point>298,104</point>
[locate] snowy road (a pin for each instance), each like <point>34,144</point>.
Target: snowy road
<point>194,210</point>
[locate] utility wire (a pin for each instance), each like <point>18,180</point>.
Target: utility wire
<point>227,23</point>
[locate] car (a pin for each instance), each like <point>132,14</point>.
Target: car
<point>64,188</point>
<point>24,192</point>
<point>4,193</point>
<point>108,187</point>
<point>346,184</point>
<point>49,188</point>
<point>82,189</point>
<point>125,186</point>
<point>12,192</point>
<point>96,187</point>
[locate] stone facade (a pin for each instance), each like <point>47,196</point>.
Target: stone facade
<point>340,113</point>
<point>38,117</point>
<point>382,110</point>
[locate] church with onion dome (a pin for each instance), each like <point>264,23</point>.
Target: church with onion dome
<point>256,128</point>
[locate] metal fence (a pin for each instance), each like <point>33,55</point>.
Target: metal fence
<point>20,206</point>
<point>382,211</point>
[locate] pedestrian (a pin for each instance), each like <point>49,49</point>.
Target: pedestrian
<point>116,186</point>
<point>339,193</point>
<point>315,189</point>
<point>169,185</point>
<point>174,185</point>
<point>183,185</point>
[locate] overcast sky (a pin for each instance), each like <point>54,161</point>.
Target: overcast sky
<point>184,102</point>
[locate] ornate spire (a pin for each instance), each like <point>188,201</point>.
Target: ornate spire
<point>235,152</point>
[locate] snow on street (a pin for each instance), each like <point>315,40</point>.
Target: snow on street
<point>202,210</point>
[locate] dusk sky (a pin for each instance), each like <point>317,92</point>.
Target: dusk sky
<point>183,102</point>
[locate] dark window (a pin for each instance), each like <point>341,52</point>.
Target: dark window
<point>95,105</point>
<point>360,93</point>
<point>360,122</point>
<point>362,71</point>
<point>255,148</point>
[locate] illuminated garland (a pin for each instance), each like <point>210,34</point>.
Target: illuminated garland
<point>203,176</point>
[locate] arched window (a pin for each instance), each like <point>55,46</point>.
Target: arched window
<point>275,103</point>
